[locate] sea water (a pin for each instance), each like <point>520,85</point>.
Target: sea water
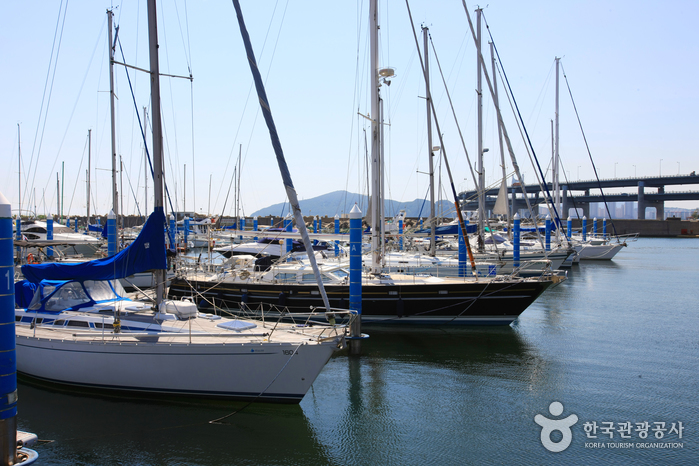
<point>607,363</point>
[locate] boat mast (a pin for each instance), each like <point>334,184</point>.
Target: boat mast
<point>237,188</point>
<point>19,163</point>
<point>115,194</point>
<point>63,186</point>
<point>376,194</point>
<point>89,163</point>
<point>157,131</point>
<point>556,160</point>
<point>428,97</point>
<point>58,195</point>
<point>145,161</point>
<point>481,173</point>
<point>496,101</point>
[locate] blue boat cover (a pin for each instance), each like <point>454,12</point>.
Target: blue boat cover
<point>147,252</point>
<point>450,229</point>
<point>24,292</point>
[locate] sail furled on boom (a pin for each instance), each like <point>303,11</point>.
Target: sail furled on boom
<point>276,144</point>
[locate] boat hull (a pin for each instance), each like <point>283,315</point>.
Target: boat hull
<point>237,371</point>
<point>446,302</point>
<point>600,251</point>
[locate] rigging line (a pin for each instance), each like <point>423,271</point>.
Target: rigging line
<point>80,169</point>
<point>50,90</point>
<point>223,211</point>
<point>506,136</point>
<point>526,148</point>
<point>453,111</point>
<point>43,97</point>
<point>194,178</point>
<point>355,99</point>
<point>506,80</point>
<point>75,105</point>
<point>575,207</point>
<point>424,200</point>
<point>191,100</point>
<point>269,70</point>
<point>175,173</point>
<point>187,52</point>
<point>128,178</point>
<point>279,153</point>
<point>242,115</point>
<point>444,151</point>
<point>459,129</point>
<point>140,124</point>
<point>606,205</point>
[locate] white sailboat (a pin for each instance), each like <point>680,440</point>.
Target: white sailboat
<point>65,240</point>
<point>80,329</point>
<point>390,299</point>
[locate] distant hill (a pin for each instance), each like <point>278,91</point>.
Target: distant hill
<point>341,202</point>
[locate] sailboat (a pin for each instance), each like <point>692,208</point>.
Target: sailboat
<point>596,247</point>
<point>79,328</point>
<point>65,240</point>
<point>387,298</point>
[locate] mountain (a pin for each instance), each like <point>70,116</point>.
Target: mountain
<point>341,202</point>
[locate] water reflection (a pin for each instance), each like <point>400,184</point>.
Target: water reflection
<point>415,395</point>
<point>93,429</point>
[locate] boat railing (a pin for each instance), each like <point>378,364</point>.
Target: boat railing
<point>630,237</point>
<point>332,320</point>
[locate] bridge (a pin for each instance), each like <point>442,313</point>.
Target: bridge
<point>648,192</point>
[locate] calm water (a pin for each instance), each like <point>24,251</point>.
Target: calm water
<point>618,342</point>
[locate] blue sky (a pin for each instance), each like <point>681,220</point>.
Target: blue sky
<point>632,68</point>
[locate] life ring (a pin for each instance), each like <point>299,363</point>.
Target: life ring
<point>30,259</point>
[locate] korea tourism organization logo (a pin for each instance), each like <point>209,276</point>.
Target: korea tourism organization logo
<point>607,434</point>
<point>549,426</point>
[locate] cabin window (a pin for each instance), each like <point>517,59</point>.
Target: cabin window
<point>59,323</point>
<point>36,299</point>
<point>286,277</point>
<point>78,323</point>
<point>118,289</point>
<point>99,290</point>
<point>69,295</point>
<point>311,278</point>
<point>99,325</point>
<point>340,273</point>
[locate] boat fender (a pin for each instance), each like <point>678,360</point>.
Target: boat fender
<point>282,299</point>
<point>400,307</point>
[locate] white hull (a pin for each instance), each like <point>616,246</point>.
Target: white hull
<point>599,251</point>
<point>228,369</point>
<point>531,263</point>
